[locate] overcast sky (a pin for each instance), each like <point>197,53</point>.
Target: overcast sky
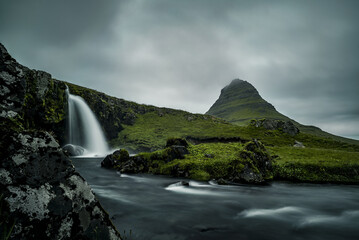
<point>302,56</point>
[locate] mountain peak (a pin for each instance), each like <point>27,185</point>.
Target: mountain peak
<point>240,87</point>
<point>240,102</point>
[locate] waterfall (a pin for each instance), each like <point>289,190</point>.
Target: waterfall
<point>83,127</point>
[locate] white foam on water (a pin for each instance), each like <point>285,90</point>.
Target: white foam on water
<point>193,188</point>
<point>346,216</point>
<point>271,213</point>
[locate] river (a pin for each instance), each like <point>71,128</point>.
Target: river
<point>158,208</point>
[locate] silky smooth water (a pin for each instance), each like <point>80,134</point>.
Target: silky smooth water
<point>157,207</point>
<point>83,127</point>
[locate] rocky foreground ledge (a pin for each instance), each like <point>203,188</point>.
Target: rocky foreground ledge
<point>41,194</point>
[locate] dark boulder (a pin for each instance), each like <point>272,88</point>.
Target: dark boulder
<point>73,150</point>
<point>134,164</point>
<point>117,157</point>
<point>184,183</point>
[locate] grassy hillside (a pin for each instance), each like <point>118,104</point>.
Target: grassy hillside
<point>240,102</point>
<point>316,165</point>
<point>152,129</point>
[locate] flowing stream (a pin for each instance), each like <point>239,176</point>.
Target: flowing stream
<point>159,208</point>
<point>83,127</point>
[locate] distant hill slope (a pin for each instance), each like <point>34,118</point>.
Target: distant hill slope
<point>240,102</point>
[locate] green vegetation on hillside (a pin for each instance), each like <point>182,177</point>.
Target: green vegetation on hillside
<point>316,165</point>
<point>151,130</point>
<point>240,102</point>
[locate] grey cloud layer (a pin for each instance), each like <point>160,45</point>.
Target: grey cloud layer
<point>302,56</point>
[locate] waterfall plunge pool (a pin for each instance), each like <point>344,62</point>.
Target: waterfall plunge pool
<point>156,207</point>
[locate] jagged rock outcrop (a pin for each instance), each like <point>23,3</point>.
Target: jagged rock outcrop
<point>283,126</point>
<point>255,166</point>
<point>31,98</point>
<point>42,196</point>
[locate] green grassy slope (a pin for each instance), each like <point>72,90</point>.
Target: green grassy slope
<point>240,102</point>
<point>316,165</point>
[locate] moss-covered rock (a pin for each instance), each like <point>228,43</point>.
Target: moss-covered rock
<point>115,158</point>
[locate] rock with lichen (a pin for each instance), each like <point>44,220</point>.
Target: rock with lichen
<point>42,196</point>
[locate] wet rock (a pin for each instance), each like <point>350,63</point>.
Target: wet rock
<point>118,156</point>
<point>184,183</point>
<point>135,164</point>
<point>221,181</point>
<point>73,150</point>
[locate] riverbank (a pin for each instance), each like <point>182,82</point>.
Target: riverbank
<point>237,162</point>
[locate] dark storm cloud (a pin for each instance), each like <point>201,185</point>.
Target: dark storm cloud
<point>302,56</point>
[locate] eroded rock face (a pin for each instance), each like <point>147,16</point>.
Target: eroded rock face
<point>284,126</point>
<point>46,197</point>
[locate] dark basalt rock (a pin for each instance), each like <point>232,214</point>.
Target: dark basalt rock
<point>42,196</point>
<point>73,150</point>
<point>115,158</point>
<point>184,183</point>
<point>46,197</point>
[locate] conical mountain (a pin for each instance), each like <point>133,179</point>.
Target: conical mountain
<point>240,102</point>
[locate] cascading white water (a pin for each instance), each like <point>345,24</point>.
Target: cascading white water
<point>84,129</point>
